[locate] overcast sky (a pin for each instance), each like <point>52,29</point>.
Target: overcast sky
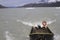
<point>13,3</point>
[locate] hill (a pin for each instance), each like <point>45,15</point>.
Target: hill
<point>57,4</point>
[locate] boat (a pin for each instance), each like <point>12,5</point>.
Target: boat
<point>41,34</point>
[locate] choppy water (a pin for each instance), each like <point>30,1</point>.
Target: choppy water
<point>15,23</point>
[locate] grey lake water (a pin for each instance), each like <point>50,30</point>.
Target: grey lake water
<point>11,27</point>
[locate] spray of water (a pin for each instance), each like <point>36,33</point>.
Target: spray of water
<point>35,23</point>
<point>8,36</point>
<point>49,22</point>
<point>25,23</point>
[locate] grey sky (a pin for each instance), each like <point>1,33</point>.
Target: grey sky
<point>17,2</point>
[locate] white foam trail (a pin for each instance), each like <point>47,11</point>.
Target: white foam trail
<point>29,23</point>
<point>34,23</point>
<point>25,23</point>
<point>49,22</point>
<point>8,35</point>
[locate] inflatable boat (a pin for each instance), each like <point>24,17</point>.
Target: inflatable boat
<point>41,34</point>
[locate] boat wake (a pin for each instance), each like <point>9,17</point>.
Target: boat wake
<point>8,36</point>
<point>35,23</point>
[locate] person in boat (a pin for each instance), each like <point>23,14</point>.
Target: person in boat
<point>44,25</point>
